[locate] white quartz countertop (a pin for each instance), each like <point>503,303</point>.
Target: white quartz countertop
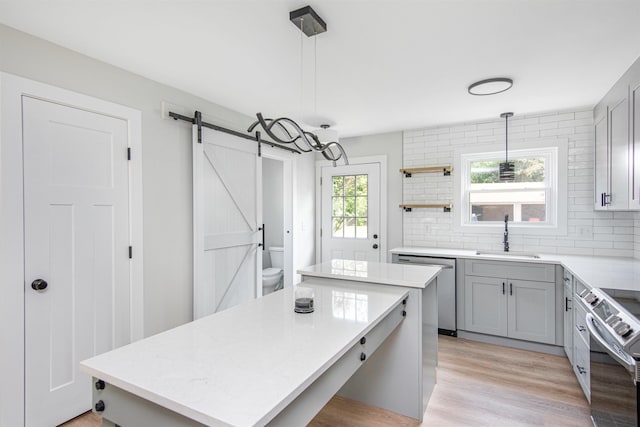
<point>411,276</point>
<point>593,271</point>
<point>244,365</point>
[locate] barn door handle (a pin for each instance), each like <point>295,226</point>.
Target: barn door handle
<point>261,244</point>
<point>39,285</point>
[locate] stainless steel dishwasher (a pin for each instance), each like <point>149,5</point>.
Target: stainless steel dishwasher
<point>446,281</point>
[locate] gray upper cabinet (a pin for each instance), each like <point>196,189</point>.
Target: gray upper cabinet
<point>634,180</point>
<point>616,163</point>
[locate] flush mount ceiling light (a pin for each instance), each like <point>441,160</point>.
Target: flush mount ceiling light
<point>490,86</point>
<point>286,131</point>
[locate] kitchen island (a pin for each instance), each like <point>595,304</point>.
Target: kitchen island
<point>254,364</point>
<point>401,376</point>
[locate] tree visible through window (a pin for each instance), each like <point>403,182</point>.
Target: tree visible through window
<point>349,206</point>
<point>526,199</point>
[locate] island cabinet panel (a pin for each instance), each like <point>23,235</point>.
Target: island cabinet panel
<point>511,299</point>
<point>531,311</point>
<point>485,305</point>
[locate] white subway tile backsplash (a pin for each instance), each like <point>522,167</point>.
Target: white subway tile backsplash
<point>588,232</point>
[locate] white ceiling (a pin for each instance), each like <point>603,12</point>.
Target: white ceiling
<point>383,65</point>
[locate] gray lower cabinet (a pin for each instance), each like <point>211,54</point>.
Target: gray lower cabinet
<point>568,322</point>
<point>511,299</point>
<point>567,310</point>
<point>581,341</point>
<point>521,309</point>
<point>581,347</point>
<point>485,305</point>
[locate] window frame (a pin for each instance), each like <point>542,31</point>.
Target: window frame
<point>554,152</point>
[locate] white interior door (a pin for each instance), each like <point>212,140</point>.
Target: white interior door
<point>351,212</point>
<point>76,216</point>
<point>227,221</point>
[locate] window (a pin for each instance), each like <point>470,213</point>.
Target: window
<point>350,202</point>
<point>529,200</point>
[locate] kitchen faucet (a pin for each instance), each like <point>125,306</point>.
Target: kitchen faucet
<point>506,233</point>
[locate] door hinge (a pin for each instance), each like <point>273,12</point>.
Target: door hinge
<point>130,252</point>
<point>128,153</point>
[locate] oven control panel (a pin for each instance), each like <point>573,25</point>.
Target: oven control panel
<point>618,321</point>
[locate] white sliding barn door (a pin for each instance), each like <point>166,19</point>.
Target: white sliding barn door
<point>227,205</point>
<point>76,234</point>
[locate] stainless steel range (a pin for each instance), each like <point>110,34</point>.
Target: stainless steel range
<point>614,328</point>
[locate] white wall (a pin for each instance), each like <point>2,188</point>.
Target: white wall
<point>272,206</point>
<point>304,213</point>
<point>389,144</point>
<point>588,232</point>
<point>167,171</point>
<point>637,236</point>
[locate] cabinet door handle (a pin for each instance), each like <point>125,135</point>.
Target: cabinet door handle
<point>605,199</point>
<point>566,304</point>
<point>581,369</point>
<point>581,328</point>
<point>510,288</point>
<point>502,288</point>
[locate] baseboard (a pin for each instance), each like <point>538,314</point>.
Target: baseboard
<point>509,342</point>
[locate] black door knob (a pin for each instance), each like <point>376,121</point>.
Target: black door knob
<point>100,385</point>
<point>375,236</point>
<point>100,406</point>
<point>375,246</point>
<point>39,285</point>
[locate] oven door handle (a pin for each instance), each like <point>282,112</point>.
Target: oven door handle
<point>631,367</point>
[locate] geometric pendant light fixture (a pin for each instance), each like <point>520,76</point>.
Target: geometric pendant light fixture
<point>286,131</point>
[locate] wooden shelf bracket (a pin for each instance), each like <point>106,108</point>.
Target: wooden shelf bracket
<point>446,207</point>
<point>408,172</point>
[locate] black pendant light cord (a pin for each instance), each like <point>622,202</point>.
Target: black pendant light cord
<point>506,139</point>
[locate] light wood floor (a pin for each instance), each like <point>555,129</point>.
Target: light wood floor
<point>478,385</point>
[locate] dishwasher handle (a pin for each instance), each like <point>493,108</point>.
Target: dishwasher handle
<point>442,266</point>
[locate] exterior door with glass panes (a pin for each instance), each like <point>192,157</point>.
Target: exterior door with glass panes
<point>351,212</point>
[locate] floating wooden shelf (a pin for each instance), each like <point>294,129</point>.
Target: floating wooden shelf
<point>446,170</point>
<point>445,206</point>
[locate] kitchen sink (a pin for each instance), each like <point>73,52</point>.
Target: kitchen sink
<point>509,254</point>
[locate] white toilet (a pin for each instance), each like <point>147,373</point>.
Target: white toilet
<point>272,277</point>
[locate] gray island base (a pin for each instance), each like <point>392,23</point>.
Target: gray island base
<point>260,363</point>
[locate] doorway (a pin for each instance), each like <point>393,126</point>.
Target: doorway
<point>278,168</point>
<point>352,210</point>
<point>70,212</point>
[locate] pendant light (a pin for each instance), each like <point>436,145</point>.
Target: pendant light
<point>286,131</point>
<point>507,169</point>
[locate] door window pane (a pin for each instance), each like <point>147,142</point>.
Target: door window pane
<point>361,207</point>
<point>350,228</point>
<point>338,185</point>
<point>362,184</point>
<point>350,205</point>
<point>338,208</point>
<point>361,228</point>
<point>349,185</point>
<point>337,226</point>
